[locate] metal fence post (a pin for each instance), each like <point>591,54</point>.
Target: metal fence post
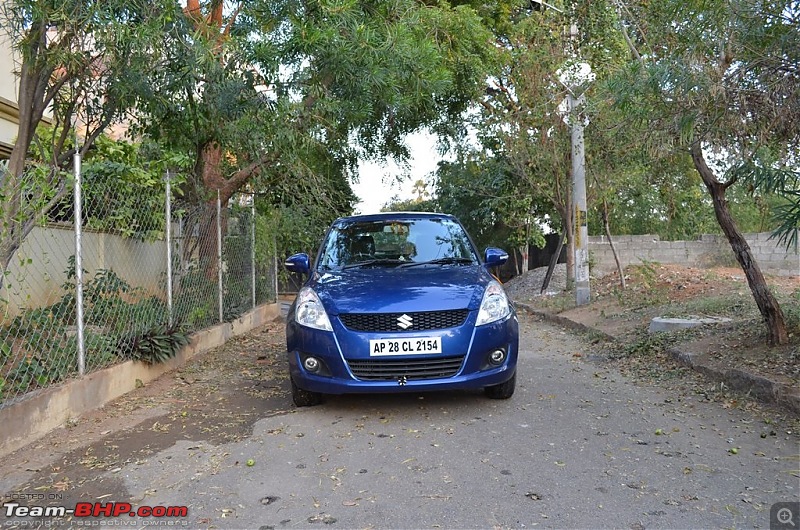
<point>79,262</point>
<point>219,256</point>
<point>253,248</point>
<point>168,237</point>
<point>275,265</point>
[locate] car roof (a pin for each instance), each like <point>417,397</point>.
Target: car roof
<point>393,216</point>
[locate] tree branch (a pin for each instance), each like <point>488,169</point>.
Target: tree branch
<point>232,20</point>
<point>239,177</point>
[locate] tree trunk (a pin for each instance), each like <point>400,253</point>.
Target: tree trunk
<point>765,300</point>
<point>607,229</point>
<point>31,91</point>
<point>209,170</point>
<point>553,262</point>
<point>523,251</point>
<point>566,222</point>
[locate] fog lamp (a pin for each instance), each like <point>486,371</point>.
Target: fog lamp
<point>312,364</point>
<point>497,357</point>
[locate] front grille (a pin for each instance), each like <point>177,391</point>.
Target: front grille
<point>421,321</point>
<point>407,369</point>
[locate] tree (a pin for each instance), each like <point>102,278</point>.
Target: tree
<point>482,192</point>
<point>719,81</point>
<point>84,62</point>
<point>523,115</point>
<point>268,82</point>
<point>520,122</point>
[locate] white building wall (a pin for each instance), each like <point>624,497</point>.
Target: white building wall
<point>9,89</point>
<point>9,114</point>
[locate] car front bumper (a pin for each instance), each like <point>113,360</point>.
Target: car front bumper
<point>341,350</point>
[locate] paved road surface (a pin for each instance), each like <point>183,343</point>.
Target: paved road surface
<point>578,446</point>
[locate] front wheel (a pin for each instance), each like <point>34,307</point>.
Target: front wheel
<point>304,398</point>
<point>503,390</point>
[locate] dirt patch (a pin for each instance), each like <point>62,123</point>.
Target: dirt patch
<point>216,397</point>
<point>673,291</point>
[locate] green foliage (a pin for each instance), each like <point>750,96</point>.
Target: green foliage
<point>144,313</point>
<point>195,299</point>
<point>778,182</point>
<point>792,311</point>
<point>63,78</point>
<point>103,294</point>
<point>708,76</point>
<point>49,345</point>
<point>346,80</point>
<point>517,181</point>
<point>411,205</point>
<point>156,345</point>
<point>100,350</point>
<point>123,188</point>
<point>31,371</point>
<point>482,192</point>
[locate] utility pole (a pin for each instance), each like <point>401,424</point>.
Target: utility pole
<point>575,82</point>
<point>580,228</point>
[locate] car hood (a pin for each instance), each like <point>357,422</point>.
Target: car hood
<point>394,290</point>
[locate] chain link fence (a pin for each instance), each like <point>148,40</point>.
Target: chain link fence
<point>141,272</point>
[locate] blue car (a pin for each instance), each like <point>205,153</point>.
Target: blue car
<point>400,302</point>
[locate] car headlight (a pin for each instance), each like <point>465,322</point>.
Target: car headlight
<point>494,305</point>
<point>309,311</point>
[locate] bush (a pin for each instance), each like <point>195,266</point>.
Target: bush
<point>157,345</point>
<point>792,313</point>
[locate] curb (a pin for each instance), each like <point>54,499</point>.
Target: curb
<point>39,412</point>
<point>760,387</point>
<point>564,321</point>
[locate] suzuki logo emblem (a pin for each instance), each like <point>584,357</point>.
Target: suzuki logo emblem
<point>404,321</point>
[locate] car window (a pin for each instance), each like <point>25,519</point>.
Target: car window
<point>390,242</point>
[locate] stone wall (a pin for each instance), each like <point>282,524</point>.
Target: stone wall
<point>707,251</point>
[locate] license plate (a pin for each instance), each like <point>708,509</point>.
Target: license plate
<point>406,346</point>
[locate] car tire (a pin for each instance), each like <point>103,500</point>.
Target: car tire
<point>305,398</point>
<point>503,390</point>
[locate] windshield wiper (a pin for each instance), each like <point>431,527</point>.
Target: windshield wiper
<point>374,262</point>
<point>441,261</point>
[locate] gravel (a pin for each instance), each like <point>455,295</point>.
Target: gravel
<point>529,284</point>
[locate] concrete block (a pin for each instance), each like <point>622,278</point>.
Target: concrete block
<point>670,324</point>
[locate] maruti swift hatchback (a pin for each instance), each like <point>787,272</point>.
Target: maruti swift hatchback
<point>400,302</point>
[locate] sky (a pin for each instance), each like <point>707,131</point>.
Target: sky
<point>379,183</point>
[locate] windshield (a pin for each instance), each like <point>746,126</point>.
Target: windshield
<point>396,242</point>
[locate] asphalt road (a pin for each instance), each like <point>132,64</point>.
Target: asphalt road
<point>578,446</point>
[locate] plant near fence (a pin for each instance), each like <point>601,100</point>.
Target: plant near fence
<point>116,329</point>
<point>128,313</point>
<point>156,345</point>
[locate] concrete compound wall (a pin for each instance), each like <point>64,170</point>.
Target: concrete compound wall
<point>35,275</point>
<point>41,412</point>
<point>707,251</point>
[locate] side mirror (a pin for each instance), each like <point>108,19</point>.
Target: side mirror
<point>298,263</point>
<point>494,257</point>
